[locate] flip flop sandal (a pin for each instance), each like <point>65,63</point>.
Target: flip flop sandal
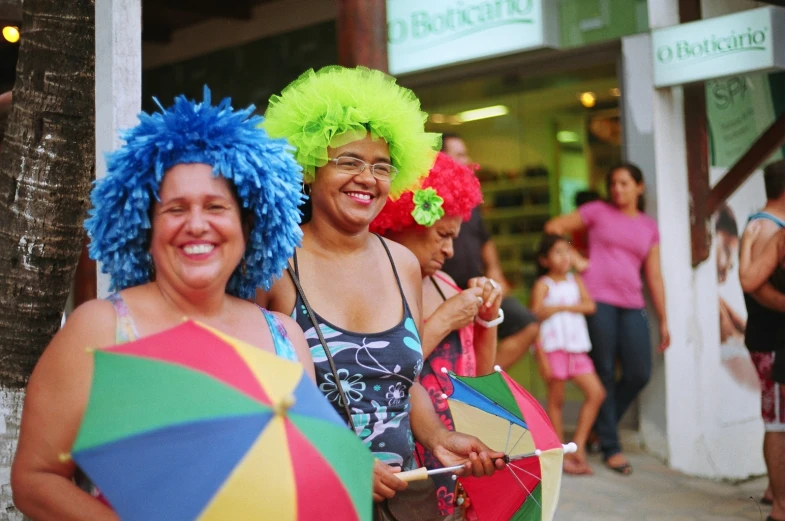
<point>772,519</point>
<point>624,470</point>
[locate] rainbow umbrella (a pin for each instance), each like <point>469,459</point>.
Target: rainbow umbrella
<point>508,419</point>
<point>191,424</point>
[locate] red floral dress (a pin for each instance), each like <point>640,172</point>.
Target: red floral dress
<point>456,354</point>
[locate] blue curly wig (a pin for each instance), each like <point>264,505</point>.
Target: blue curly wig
<point>266,179</point>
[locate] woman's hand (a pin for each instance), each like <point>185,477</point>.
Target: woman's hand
<point>665,337</point>
<point>492,293</point>
<point>461,449</point>
<point>385,482</point>
<point>459,310</point>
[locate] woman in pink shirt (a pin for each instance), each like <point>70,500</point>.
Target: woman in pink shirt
<point>624,241</point>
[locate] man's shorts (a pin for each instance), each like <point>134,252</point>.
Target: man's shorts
<point>772,398</point>
<point>516,317</point>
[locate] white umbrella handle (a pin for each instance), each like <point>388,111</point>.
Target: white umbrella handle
<point>413,475</point>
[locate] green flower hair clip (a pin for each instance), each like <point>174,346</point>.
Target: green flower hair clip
<point>427,207</point>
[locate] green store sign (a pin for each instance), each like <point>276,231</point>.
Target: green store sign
<point>744,42</point>
<point>425,34</point>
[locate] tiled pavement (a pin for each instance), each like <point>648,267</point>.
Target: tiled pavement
<point>655,493</point>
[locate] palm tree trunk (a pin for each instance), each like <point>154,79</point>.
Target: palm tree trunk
<point>47,162</point>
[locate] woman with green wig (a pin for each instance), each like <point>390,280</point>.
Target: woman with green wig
<point>360,139</point>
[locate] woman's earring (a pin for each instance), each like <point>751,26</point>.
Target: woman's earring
<point>244,268</point>
<point>306,191</point>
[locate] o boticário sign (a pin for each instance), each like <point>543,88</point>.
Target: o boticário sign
<point>740,43</point>
<point>425,34</point>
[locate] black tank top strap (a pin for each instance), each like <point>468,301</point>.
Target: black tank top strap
<point>395,270</point>
<point>296,267</point>
<point>436,285</point>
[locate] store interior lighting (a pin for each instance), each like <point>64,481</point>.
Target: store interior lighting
<point>567,136</point>
<point>483,113</point>
<point>470,115</point>
<point>615,92</point>
<point>588,99</point>
<point>11,33</point>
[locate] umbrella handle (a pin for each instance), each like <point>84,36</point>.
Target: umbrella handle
<point>413,475</point>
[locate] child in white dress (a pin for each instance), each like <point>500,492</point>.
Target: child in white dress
<point>560,301</point>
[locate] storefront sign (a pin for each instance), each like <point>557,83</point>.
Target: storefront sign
<point>424,34</point>
<point>744,42</point>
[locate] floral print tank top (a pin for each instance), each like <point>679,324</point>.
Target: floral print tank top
<point>376,372</point>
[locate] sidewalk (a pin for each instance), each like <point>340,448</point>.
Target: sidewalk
<point>655,493</point>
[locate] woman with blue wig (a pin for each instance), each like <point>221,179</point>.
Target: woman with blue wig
<point>198,209</point>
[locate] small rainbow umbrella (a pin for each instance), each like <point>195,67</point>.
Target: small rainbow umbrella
<point>508,419</point>
<point>193,425</point>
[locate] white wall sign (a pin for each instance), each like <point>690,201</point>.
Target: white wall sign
<point>748,41</point>
<point>424,34</point>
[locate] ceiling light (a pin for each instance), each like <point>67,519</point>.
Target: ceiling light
<point>11,33</point>
<point>615,92</point>
<point>588,99</point>
<point>438,118</point>
<point>483,113</point>
<point>567,136</point>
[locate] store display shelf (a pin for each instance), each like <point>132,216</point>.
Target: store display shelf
<point>526,240</point>
<point>533,210</point>
<point>504,185</point>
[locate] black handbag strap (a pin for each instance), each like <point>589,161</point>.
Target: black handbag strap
<point>318,329</point>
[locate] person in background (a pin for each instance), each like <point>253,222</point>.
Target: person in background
<point>560,300</point>
<point>580,240</point>
<point>623,241</point>
<point>459,325</point>
<point>764,296</point>
<point>475,255</point>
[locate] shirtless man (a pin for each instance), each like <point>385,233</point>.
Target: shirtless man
<point>765,333</point>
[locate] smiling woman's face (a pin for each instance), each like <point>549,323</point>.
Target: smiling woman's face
<point>351,201</point>
<point>197,236</point>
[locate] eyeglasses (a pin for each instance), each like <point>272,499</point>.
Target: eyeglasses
<point>354,166</point>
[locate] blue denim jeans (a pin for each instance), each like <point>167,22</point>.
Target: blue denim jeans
<point>618,334</point>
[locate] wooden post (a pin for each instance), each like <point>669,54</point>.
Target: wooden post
<point>362,33</point>
<point>697,137</point>
<point>695,130</point>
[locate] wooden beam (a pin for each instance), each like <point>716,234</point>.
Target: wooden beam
<point>156,33</point>
<point>362,33</point>
<point>11,10</point>
<point>768,143</point>
<point>689,11</point>
<point>234,9</point>
<point>697,143</point>
<point>695,129</point>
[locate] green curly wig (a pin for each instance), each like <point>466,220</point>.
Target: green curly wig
<point>335,106</point>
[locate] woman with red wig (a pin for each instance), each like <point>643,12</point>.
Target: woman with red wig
<point>459,333</point>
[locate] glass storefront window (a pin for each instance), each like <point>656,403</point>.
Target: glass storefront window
<point>539,142</point>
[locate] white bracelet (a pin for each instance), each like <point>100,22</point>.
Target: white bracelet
<point>493,323</point>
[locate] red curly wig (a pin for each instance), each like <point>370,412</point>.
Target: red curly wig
<point>453,182</point>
